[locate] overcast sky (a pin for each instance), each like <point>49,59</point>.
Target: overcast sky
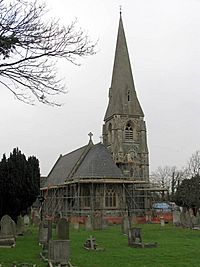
<point>163,38</point>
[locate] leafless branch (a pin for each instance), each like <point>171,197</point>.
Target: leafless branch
<point>29,48</point>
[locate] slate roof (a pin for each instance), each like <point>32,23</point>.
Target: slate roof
<point>90,161</point>
<point>98,163</point>
<point>122,82</point>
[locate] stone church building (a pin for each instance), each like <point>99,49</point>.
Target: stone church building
<point>109,178</point>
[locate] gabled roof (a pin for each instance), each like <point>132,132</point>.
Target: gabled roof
<point>98,163</point>
<point>122,82</point>
<point>90,161</point>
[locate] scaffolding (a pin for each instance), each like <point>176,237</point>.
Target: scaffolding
<point>110,197</point>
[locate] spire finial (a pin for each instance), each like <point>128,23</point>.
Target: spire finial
<point>90,135</point>
<point>120,10</point>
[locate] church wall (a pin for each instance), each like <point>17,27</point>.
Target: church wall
<point>125,138</point>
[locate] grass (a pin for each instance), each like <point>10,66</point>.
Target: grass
<point>177,247</point>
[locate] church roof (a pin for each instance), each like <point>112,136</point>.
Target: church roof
<point>122,96</point>
<point>90,161</point>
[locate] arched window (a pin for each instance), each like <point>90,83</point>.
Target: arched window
<point>128,132</point>
<point>110,197</point>
<point>86,197</point>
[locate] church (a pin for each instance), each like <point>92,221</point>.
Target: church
<point>109,178</point>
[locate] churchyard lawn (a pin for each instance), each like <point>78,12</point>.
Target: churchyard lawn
<point>177,247</point>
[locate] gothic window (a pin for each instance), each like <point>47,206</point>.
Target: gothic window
<point>110,198</point>
<point>86,197</point>
<point>128,95</point>
<point>128,132</point>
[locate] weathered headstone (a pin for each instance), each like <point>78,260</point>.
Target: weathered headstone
<point>20,226</point>
<point>134,236</point>
<point>134,219</point>
<point>59,251</point>
<point>162,221</point>
<point>183,219</point>
<point>198,219</point>
<point>135,239</point>
<point>125,225</point>
<point>88,223</point>
<point>63,229</point>
<point>188,219</point>
<point>8,228</point>
<point>104,224</point>
<point>43,232</point>
<point>76,226</point>
<point>8,232</point>
<point>97,221</point>
<point>26,220</point>
<point>176,218</point>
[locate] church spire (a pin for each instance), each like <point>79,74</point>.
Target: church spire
<point>122,96</point>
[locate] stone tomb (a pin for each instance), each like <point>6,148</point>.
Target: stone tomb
<point>8,232</point>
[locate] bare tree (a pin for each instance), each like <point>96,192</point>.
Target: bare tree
<point>193,167</point>
<point>167,177</point>
<point>29,48</point>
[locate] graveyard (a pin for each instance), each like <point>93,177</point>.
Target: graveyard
<point>176,246</point>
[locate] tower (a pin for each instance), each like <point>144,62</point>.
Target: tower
<point>124,129</point>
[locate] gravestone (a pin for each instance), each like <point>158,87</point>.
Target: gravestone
<point>20,226</point>
<point>97,221</point>
<point>63,229</point>
<point>76,226</point>
<point>8,232</point>
<point>90,244</point>
<point>26,220</point>
<point>8,228</point>
<point>88,223</point>
<point>134,219</point>
<point>104,224</point>
<point>162,221</point>
<point>134,235</point>
<point>176,217</point>
<point>183,219</point>
<point>198,219</point>
<point>44,253</point>
<point>59,251</point>
<point>125,225</point>
<point>188,220</point>
<point>43,232</point>
<point>135,239</point>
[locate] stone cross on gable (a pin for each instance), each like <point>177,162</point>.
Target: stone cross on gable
<point>90,135</point>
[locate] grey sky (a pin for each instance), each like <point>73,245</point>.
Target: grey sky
<point>163,39</point>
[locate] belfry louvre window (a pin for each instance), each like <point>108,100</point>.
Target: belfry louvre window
<point>128,96</point>
<point>128,132</point>
<point>110,198</point>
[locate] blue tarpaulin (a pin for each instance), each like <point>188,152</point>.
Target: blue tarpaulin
<point>162,206</point>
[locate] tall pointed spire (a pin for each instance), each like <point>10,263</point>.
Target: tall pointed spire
<point>122,95</point>
<point>124,130</point>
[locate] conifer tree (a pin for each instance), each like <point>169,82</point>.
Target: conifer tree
<point>19,183</point>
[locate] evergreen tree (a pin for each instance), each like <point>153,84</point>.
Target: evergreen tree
<point>188,193</point>
<point>19,183</point>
